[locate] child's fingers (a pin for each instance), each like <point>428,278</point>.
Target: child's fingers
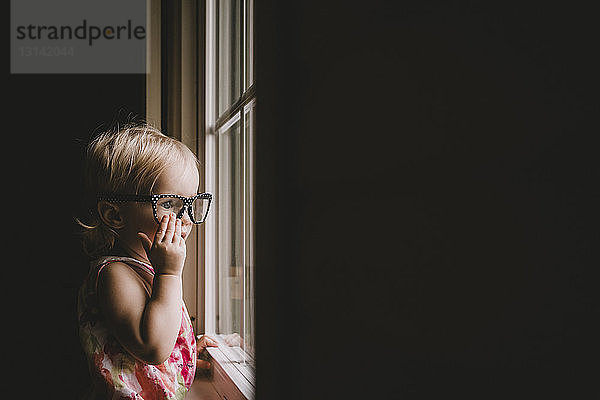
<point>210,342</point>
<point>170,229</point>
<point>177,235</point>
<point>162,229</point>
<point>205,341</point>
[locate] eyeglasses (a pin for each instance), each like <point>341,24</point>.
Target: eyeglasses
<point>162,204</point>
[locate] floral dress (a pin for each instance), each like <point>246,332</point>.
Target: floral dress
<point>115,373</point>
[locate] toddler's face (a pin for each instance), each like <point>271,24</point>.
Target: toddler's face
<point>176,179</point>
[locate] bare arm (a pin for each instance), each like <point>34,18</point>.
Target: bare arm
<point>147,325</point>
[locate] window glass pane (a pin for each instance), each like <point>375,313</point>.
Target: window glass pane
<point>249,44</point>
<point>229,53</point>
<point>249,229</point>
<point>230,261</point>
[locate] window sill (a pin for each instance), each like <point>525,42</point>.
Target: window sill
<point>232,369</point>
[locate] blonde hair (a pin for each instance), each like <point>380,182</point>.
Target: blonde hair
<point>125,161</point>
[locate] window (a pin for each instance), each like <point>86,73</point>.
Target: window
<point>200,89</point>
<point>229,119</point>
<point>230,103</point>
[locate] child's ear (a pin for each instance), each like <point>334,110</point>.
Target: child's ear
<point>110,214</point>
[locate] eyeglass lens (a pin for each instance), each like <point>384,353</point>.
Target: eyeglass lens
<point>166,205</point>
<point>200,209</point>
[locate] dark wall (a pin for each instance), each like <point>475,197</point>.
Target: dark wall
<point>48,118</point>
<point>424,196</point>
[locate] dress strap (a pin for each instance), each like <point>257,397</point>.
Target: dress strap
<point>102,262</point>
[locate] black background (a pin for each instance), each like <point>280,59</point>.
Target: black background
<point>428,226</point>
<point>52,116</point>
<point>425,203</point>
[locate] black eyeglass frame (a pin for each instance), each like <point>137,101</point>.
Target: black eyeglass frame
<point>153,198</point>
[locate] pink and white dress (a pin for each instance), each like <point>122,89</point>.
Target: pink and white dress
<point>115,373</point>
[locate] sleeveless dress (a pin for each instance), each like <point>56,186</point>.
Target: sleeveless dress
<point>115,373</point>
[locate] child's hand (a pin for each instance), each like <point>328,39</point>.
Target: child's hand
<point>167,251</point>
<point>201,344</point>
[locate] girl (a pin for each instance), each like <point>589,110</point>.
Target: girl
<point>133,324</point>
